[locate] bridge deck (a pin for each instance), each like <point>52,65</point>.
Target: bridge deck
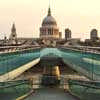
<point>83,62</point>
<point>51,94</point>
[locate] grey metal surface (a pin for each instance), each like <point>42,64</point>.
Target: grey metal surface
<point>51,94</point>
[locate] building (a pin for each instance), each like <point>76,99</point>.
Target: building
<point>13,35</point>
<point>60,35</point>
<point>67,34</point>
<point>94,35</point>
<point>49,27</point>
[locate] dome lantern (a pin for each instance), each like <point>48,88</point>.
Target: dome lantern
<point>49,12</point>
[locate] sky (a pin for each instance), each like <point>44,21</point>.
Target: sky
<point>78,15</point>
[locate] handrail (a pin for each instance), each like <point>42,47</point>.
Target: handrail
<point>8,86</point>
<point>84,83</point>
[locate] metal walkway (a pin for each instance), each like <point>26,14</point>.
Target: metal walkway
<point>51,94</point>
<point>86,63</point>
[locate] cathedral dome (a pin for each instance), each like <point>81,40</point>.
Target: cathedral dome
<point>49,20</point>
<point>49,27</point>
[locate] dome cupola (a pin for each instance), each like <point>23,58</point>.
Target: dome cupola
<point>49,20</point>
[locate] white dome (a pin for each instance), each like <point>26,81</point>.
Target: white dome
<point>49,27</point>
<point>49,20</point>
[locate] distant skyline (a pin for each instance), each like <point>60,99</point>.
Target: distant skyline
<point>78,15</point>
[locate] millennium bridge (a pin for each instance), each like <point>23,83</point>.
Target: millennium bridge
<point>13,64</point>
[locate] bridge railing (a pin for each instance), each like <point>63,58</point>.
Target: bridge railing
<point>11,61</point>
<point>83,62</point>
<point>85,90</point>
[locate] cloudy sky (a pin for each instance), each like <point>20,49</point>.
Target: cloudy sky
<point>79,15</point>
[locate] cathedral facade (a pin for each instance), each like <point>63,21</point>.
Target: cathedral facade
<point>49,28</point>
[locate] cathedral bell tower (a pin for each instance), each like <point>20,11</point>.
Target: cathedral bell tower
<point>13,35</point>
